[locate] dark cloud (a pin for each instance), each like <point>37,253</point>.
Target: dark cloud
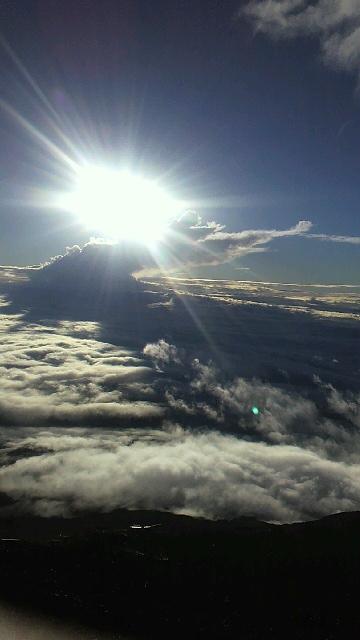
<point>98,265</point>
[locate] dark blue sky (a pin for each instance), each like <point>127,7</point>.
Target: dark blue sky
<point>185,90</point>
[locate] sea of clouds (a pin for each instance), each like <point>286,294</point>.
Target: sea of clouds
<point>117,392</point>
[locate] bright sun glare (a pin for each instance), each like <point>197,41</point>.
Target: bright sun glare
<point>121,205</point>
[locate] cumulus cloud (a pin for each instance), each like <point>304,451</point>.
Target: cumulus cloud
<point>336,23</point>
<point>162,352</point>
<point>101,266</point>
<point>203,397</point>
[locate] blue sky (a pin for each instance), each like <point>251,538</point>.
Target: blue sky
<point>265,130</point>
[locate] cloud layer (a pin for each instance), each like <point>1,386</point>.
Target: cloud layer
<point>205,474</point>
<point>49,378</point>
<point>215,398</point>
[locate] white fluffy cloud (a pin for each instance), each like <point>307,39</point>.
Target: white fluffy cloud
<point>277,465</point>
<point>336,23</point>
<point>206,474</point>
<point>162,352</point>
<point>49,378</point>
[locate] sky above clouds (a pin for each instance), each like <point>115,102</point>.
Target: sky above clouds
<point>246,110</point>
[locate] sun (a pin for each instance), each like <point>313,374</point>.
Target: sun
<point>120,205</point>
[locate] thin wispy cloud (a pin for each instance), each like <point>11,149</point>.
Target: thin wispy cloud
<point>335,238</point>
<point>227,246</point>
<point>335,23</point>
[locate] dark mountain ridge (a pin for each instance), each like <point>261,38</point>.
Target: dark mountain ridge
<point>154,574</point>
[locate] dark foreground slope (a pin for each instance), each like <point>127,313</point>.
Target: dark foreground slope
<point>184,577</point>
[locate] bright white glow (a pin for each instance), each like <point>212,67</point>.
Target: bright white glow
<point>121,205</point>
